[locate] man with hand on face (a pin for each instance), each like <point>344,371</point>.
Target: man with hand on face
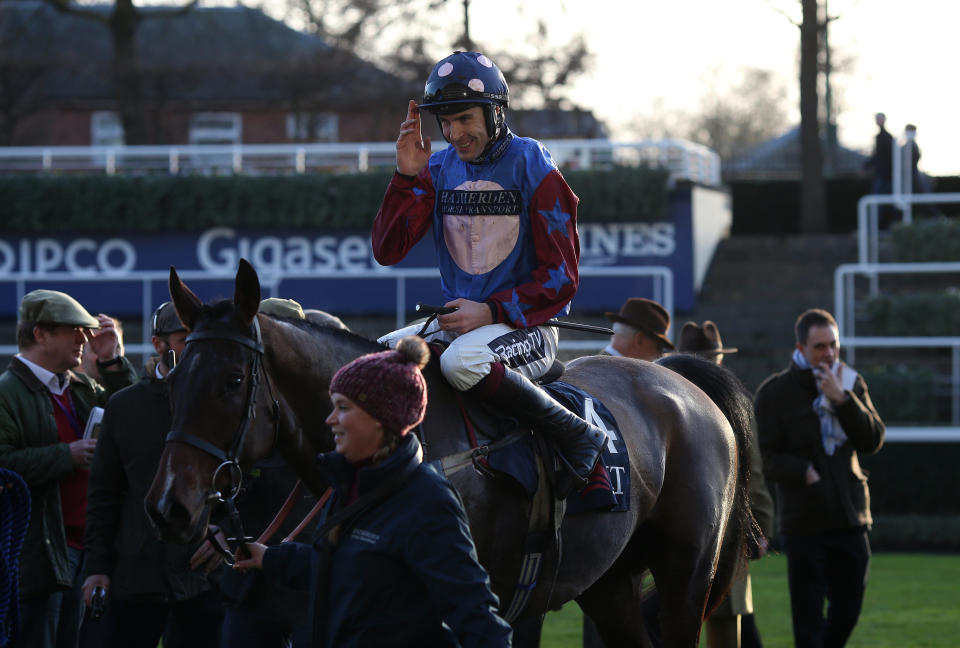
<point>505,230</point>
<point>155,589</point>
<point>44,407</point>
<point>813,419</point>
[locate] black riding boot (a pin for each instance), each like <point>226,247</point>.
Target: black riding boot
<point>579,442</point>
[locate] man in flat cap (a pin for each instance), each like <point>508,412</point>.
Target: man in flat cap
<point>44,406</point>
<point>639,330</point>
<point>177,601</point>
<point>282,308</point>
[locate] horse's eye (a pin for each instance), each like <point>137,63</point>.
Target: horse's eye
<point>234,380</point>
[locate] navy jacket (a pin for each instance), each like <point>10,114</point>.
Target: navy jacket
<point>402,568</point>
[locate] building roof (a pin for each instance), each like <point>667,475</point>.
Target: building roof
<point>216,53</point>
<point>780,159</point>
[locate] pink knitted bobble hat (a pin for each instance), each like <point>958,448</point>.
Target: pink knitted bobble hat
<point>388,385</point>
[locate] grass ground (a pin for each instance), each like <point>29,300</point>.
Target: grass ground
<point>912,600</point>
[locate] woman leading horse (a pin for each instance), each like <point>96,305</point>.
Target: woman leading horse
<point>687,488</point>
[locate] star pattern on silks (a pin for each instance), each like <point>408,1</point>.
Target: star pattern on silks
<point>558,278</point>
<point>515,308</point>
<point>556,219</point>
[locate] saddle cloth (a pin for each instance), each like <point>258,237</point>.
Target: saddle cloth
<point>608,488</point>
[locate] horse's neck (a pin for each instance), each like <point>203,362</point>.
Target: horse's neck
<point>301,364</point>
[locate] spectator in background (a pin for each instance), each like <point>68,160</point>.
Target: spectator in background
<point>919,182</point>
<point>639,330</point>
<point>881,162</point>
<point>88,364</point>
<point>155,589</point>
<point>44,406</point>
<point>813,419</point>
<point>282,308</point>
<point>732,625</point>
<point>324,318</point>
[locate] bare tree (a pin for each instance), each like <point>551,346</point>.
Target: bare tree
<point>122,22</point>
<point>736,117</point>
<point>813,214</point>
<point>402,36</point>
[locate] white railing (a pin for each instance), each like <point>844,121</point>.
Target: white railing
<point>868,225</point>
<point>845,312</point>
<point>684,160</point>
<point>270,284</point>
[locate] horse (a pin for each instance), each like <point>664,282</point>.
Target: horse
<point>687,477</point>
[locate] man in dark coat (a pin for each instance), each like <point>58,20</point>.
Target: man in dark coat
<point>154,588</point>
<point>813,419</point>
<point>44,407</point>
<point>881,162</point>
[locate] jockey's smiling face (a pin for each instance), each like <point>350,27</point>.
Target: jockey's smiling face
<point>466,131</point>
<point>357,435</point>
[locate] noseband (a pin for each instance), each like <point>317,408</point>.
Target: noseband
<point>230,458</point>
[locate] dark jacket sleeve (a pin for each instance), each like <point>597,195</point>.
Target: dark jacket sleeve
<point>442,554</point>
<point>105,493</point>
<point>860,420</point>
<point>779,465</point>
<point>41,464</point>
<point>290,564</point>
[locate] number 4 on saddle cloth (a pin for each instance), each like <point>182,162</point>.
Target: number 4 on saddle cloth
<point>608,487</point>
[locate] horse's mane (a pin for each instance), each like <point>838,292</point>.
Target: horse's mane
<point>344,335</point>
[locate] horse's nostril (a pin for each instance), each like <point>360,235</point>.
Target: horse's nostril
<point>168,513</point>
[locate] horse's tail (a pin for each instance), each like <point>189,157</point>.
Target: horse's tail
<point>733,399</point>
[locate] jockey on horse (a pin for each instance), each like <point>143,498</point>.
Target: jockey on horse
<point>505,229</point>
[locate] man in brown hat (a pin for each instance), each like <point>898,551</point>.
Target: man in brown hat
<point>639,330</point>
<point>703,341</point>
<point>44,406</point>
<point>732,624</point>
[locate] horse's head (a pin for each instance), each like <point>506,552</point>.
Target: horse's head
<point>222,412</point>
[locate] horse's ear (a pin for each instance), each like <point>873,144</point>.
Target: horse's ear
<point>246,295</point>
<point>188,305</point>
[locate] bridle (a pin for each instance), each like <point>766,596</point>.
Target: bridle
<point>230,458</point>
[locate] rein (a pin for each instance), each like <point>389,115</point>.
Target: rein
<point>230,458</point>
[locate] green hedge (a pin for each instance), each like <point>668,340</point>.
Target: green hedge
<point>927,241</point>
<point>36,204</point>
<point>914,478</point>
<point>903,394</point>
<point>919,313</point>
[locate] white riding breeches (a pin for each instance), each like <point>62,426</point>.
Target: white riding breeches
<point>467,360</point>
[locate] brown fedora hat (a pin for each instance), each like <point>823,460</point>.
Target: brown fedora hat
<point>702,339</point>
<point>646,315</point>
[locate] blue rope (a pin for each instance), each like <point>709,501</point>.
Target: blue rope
<point>14,517</point>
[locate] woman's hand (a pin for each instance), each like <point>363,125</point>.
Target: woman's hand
<point>255,561</point>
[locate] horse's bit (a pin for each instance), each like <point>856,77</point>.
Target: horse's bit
<point>230,459</point>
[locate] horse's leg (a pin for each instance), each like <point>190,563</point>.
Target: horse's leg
<point>613,603</point>
<point>526,632</point>
<point>683,575</point>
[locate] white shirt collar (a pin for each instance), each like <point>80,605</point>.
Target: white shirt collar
<point>47,377</point>
<point>610,350</point>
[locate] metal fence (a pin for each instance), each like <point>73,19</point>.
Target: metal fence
<point>684,160</point>
<point>845,298</point>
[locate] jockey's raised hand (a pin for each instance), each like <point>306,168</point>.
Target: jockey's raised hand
<point>413,151</point>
